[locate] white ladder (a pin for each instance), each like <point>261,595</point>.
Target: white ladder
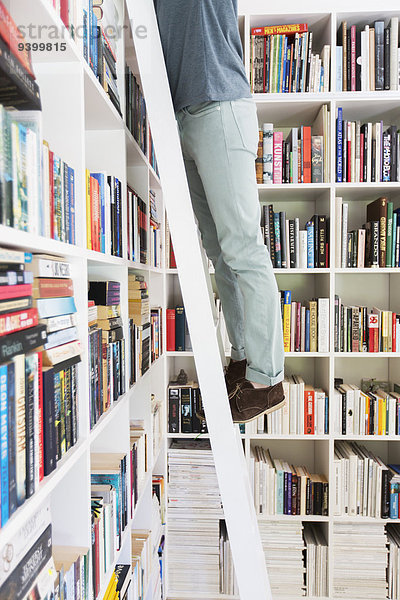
<point>230,464</point>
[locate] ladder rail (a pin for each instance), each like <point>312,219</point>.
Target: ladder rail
<point>232,474</point>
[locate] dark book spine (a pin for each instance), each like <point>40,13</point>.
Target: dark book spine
<point>12,477</point>
<point>196,422</point>
<point>266,227</point>
<point>57,414</point>
<point>386,53</point>
<point>30,425</point>
<point>348,66</point>
<point>289,493</point>
<point>74,403</point>
<point>271,233</point>
<point>379,55</point>
<point>385,503</point>
<point>68,408</point>
<point>344,412</point>
<point>308,497</point>
<point>17,88</point>
<point>375,170</point>
<point>298,499</point>
<point>285,493</point>
<point>22,342</point>
<point>393,153</point>
<point>278,252</point>
<point>321,241</point>
<point>49,450</point>
<point>294,494</point>
<point>358,59</point>
<point>292,245</point>
<point>180,328</point>
<point>282,220</point>
<point>173,410</point>
<point>325,498</point>
<point>186,410</point>
<point>203,422</point>
<point>317,497</point>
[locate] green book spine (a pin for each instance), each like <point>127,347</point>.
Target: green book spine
<point>389,234</point>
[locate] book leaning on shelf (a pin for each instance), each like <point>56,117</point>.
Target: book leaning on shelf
<point>305,324</point>
<point>296,154</point>
<point>282,60</point>
<point>368,59</point>
<point>136,116</point>
<point>137,227</point>
<point>357,330</point>
<point>366,152</point>
<point>39,352</point>
<point>106,347</point>
<point>291,247</point>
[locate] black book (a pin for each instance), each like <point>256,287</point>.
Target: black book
<point>22,342</point>
<point>203,422</point>
<point>113,335</point>
<point>271,232</point>
<point>385,503</point>
<point>94,555</point>
<point>18,89</point>
<point>292,245</point>
<point>99,290</point>
<point>100,66</point>
<point>317,496</point>
<point>282,222</point>
<point>315,220</point>
<point>309,497</point>
<point>375,170</point>
<point>14,304</point>
<point>287,163</point>
<point>68,408</point>
<point>393,153</point>
<point>321,241</point>
<point>180,328</point>
<point>65,364</point>
<point>17,267</point>
<point>173,410</point>
<point>309,54</point>
<point>386,73</point>
<point>109,57</point>
<point>186,410</point>
<point>12,480</point>
<point>358,59</point>
<point>21,579</point>
<point>122,370</point>
<point>363,167</point>
<point>196,422</point>
<point>379,55</point>
<point>29,426</point>
<point>266,227</point>
<point>49,448</point>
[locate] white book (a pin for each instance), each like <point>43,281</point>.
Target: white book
<point>302,249</point>
<point>300,403</point>
<point>45,191</point>
<point>326,60</point>
<point>323,325</point>
<point>352,127</point>
<point>371,60</point>
<point>369,151</point>
<point>364,72</point>
<point>339,68</point>
<point>268,135</point>
<point>295,154</point>
<point>285,409</point>
<point>345,211</point>
<point>292,407</point>
<point>394,48</point>
<point>337,489</point>
<point>361,248</point>
<point>319,396</point>
<point>337,423</point>
<point>338,232</point>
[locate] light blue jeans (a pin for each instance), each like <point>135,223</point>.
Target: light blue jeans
<point>219,143</point>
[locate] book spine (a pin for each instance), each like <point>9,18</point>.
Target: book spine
<point>186,410</point>
<point>379,55</point>
<point>180,328</point>
<point>4,445</point>
<point>278,253</point>
<point>277,156</point>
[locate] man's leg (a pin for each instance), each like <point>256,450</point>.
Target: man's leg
<point>223,144</point>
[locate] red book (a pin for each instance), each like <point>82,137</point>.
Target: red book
<point>393,332</point>
<point>373,332</point>
<point>40,385</point>
<point>170,330</point>
<point>361,157</point>
<point>46,287</point>
<point>17,321</point>
<point>12,37</point>
<point>64,14</point>
<point>353,57</point>
<point>172,261</point>
<point>280,29</point>
<point>277,156</point>
<point>51,194</point>
<point>309,417</point>
<point>306,139</point>
<point>15,291</point>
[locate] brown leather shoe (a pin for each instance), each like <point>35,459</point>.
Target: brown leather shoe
<point>248,403</point>
<point>235,373</point>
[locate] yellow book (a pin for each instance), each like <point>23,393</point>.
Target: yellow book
<point>112,586</point>
<point>88,212</point>
<point>286,321</point>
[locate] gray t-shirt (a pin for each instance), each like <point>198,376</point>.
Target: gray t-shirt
<point>202,50</point>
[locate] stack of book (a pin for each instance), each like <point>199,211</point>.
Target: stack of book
<point>316,561</point>
<point>18,88</point>
<point>363,546</point>
<point>136,117</point>
<point>141,559</point>
<point>30,545</point>
<point>184,401</point>
<point>155,233</point>
<point>140,325</point>
<point>109,507</point>
<point>178,338</point>
<point>139,457</point>
<point>119,584</point>
<point>306,411</point>
<point>366,410</point>
<point>194,512</point>
<point>73,565</point>
<point>283,546</point>
<point>367,59</point>
<point>283,489</point>
<point>106,347</point>
<point>227,578</point>
<point>366,152</point>
<point>282,60</point>
<point>103,213</point>
<point>137,227</point>
<point>357,330</point>
<point>291,247</point>
<point>376,244</point>
<point>393,571</point>
<point>295,155</point>
<point>362,483</point>
<point>100,34</point>
<point>305,324</point>
<point>170,262</point>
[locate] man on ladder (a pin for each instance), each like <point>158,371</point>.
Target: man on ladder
<point>218,128</point>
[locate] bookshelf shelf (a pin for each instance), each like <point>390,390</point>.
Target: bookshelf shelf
<point>387,355</point>
<point>312,518</point>
<point>111,413</point>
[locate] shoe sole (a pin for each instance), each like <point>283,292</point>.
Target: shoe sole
<point>266,412</point>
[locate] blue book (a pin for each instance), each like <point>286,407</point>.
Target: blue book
<point>394,239</point>
<point>53,307</point>
<point>326,420</point>
<point>71,185</point>
<point>310,244</point>
<point>285,64</point>
<point>278,78</point>
<point>277,230</point>
<point>4,444</point>
<point>101,178</point>
<point>394,501</point>
<point>339,146</point>
<point>307,340</point>
<point>12,475</point>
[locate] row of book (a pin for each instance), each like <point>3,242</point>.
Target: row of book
<point>139,459</point>
<point>137,227</point>
<point>136,116</point>
<point>155,253</point>
<point>366,152</point>
<point>39,352</point>
<point>296,155</point>
<point>306,411</point>
<point>100,34</point>
<point>357,330</point>
<point>370,409</point>
<point>178,338</point>
<point>109,511</point>
<point>103,213</point>
<point>291,247</point>
<point>184,401</point>
<point>305,324</point>
<point>367,59</point>
<point>364,484</point>
<point>316,561</point>
<point>281,488</point>
<point>282,60</point>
